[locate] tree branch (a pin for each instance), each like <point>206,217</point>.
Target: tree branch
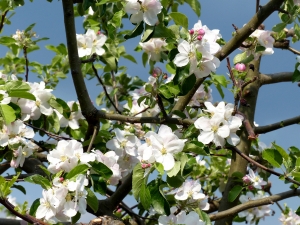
<point>276,126</point>
<point>275,78</point>
<point>88,109</point>
<point>131,119</point>
<point>254,203</point>
<point>243,33</point>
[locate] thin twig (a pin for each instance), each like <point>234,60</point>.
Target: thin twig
<point>257,6</point>
<point>277,203</point>
<point>144,110</point>
<point>104,88</point>
<point>2,20</point>
<point>254,203</point>
<point>262,166</point>
<point>55,136</point>
<point>294,51</point>
<point>90,60</point>
<point>278,125</point>
<point>248,82</point>
<point>26,63</point>
<point>26,217</point>
<point>161,106</point>
<point>93,138</point>
<point>248,127</point>
<point>114,86</point>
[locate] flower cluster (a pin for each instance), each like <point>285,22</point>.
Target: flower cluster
<point>199,51</point>
<point>291,218</point>
<point>218,125</point>
<point>90,43</point>
<point>180,218</point>
<point>259,43</point>
<point>254,181</point>
<point>160,147</point>
<point>34,109</point>
<point>125,145</point>
<point>189,192</point>
<point>67,197</point>
<point>257,213</point>
<point>146,10</point>
<point>153,48</point>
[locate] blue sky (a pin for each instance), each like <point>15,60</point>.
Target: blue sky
<point>275,102</point>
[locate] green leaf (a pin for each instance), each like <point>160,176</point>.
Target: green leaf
<point>282,152</point>
<point>163,89</point>
<point>7,41</point>
<point>195,147</point>
<point>187,84</point>
<point>183,161</point>
<point>147,34</point>
<point>92,200</point>
<point>145,196</point>
<point>137,180</point>
<point>203,216</point>
<point>180,19</point>
<point>75,218</point>
<point>40,180</point>
<point>29,28</point>
<point>296,75</point>
<point>174,171</point>
<point>195,5</point>
<point>80,169</point>
<point>101,169</point>
<point>239,57</point>
<point>20,188</point>
<point>160,31</point>
<point>117,19</point>
<point>219,79</point>
<point>21,94</point>
<point>175,181</point>
<point>34,207</point>
<point>138,30</point>
<point>17,85</point>
<point>273,157</point>
<point>190,132</point>
<point>173,88</point>
<point>8,113</point>
<point>99,184</point>
<point>279,27</point>
<point>234,192</point>
<point>129,57</point>
<point>158,201</point>
<point>171,68</point>
<point>54,104</point>
<point>160,168</point>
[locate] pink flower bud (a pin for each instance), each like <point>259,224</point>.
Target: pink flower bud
<point>199,37</point>
<point>191,31</point>
<point>156,72</point>
<point>250,187</point>
<point>61,179</point>
<point>99,32</point>
<point>246,180</point>
<point>240,67</point>
<point>144,166</point>
<point>201,32</point>
<point>165,76</point>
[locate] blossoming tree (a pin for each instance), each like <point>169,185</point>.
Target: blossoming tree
<point>184,158</point>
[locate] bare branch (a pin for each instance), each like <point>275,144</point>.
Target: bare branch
<point>243,33</point>
<point>262,166</point>
<point>254,203</point>
<point>276,126</point>
<point>294,51</point>
<point>131,119</point>
<point>26,63</point>
<point>105,90</point>
<point>93,138</point>
<point>275,78</point>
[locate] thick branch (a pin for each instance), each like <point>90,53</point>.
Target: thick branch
<point>275,78</point>
<point>75,63</point>
<point>276,126</point>
<point>249,28</point>
<point>254,203</point>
